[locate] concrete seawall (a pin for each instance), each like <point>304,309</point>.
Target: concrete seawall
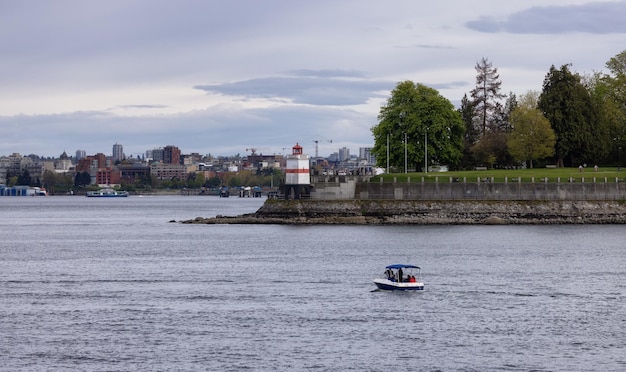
<point>352,188</point>
<point>349,200</point>
<point>416,212</point>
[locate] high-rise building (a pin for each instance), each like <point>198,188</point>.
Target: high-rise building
<point>118,152</point>
<point>365,153</point>
<point>344,154</point>
<point>171,155</point>
<point>155,154</point>
<point>80,154</point>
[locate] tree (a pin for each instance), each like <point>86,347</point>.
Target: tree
<point>616,90</point>
<point>490,118</point>
<point>492,147</point>
<point>414,117</point>
<point>82,179</point>
<point>485,95</point>
<point>530,100</point>
<point>24,178</point>
<point>566,103</point>
<point>503,113</point>
<point>214,181</point>
<point>531,136</point>
<point>617,65</point>
<point>471,133</point>
<point>609,124</point>
<point>195,180</point>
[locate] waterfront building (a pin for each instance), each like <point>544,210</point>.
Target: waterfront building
<point>164,171</point>
<point>16,164</point>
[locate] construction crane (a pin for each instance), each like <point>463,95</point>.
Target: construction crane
<point>316,142</point>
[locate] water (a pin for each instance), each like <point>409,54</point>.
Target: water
<point>112,284</point>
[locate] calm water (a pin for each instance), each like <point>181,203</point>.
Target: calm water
<point>111,284</point>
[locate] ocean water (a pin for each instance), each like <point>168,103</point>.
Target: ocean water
<point>114,285</point>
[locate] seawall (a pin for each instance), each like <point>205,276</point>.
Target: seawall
<point>421,212</point>
<point>481,189</point>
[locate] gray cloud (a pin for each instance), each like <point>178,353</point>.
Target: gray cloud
<point>305,90</point>
<point>426,46</point>
<point>327,73</point>
<point>592,18</point>
<point>140,107</point>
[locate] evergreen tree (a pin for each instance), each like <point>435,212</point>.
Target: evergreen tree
<point>566,103</point>
<point>485,95</point>
<point>471,133</point>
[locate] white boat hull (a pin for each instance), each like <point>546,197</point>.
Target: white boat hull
<point>388,285</point>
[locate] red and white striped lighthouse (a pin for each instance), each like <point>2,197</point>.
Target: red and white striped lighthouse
<point>297,174</point>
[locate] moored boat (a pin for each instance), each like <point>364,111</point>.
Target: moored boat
<point>401,277</point>
<point>106,193</point>
<point>22,191</point>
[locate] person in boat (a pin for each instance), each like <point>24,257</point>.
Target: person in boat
<point>388,274</point>
<point>412,279</point>
<point>400,275</point>
<point>393,277</point>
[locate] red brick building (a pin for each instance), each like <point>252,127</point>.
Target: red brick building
<point>171,155</point>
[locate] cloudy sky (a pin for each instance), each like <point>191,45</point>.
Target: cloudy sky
<point>221,77</point>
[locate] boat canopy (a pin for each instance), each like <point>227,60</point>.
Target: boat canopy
<point>402,266</point>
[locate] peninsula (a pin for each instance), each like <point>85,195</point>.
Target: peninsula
<point>428,212</point>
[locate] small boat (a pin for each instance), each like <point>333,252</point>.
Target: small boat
<point>106,193</point>
<point>401,277</point>
<point>224,193</point>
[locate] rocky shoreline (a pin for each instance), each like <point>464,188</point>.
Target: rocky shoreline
<point>415,212</point>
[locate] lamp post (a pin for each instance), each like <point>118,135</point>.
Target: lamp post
<point>387,153</point>
<point>619,153</point>
<point>405,157</point>
<point>426,151</point>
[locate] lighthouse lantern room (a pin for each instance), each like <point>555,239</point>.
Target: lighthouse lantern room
<point>297,174</point>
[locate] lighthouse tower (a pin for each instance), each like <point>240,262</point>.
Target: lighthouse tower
<point>297,174</point>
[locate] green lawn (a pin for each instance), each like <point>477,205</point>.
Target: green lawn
<point>511,175</point>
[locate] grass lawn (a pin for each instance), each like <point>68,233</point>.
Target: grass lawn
<point>511,175</point>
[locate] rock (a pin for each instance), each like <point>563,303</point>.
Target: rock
<point>414,212</point>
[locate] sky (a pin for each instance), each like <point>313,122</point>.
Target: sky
<point>225,77</point>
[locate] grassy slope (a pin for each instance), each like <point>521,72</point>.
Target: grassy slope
<point>512,175</point>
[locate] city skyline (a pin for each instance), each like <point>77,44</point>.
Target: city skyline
<point>219,78</point>
<point>342,153</point>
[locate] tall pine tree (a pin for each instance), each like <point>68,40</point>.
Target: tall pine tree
<point>486,95</point>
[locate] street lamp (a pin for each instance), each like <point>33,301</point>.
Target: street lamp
<point>387,153</point>
<point>426,151</point>
<point>405,157</point>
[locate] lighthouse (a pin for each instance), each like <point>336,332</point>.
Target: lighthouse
<point>297,174</point>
